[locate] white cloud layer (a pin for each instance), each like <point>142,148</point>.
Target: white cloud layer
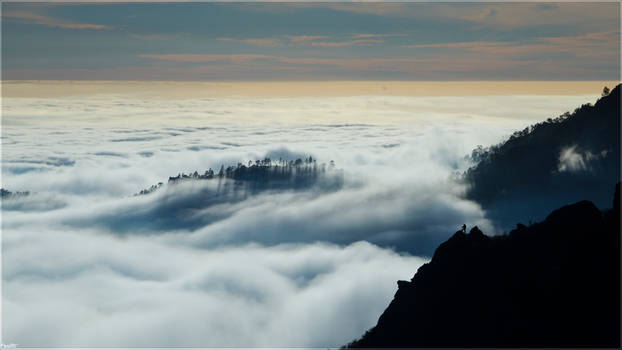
<point>87,264</point>
<point>80,288</point>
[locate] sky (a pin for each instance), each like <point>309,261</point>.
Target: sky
<point>311,41</point>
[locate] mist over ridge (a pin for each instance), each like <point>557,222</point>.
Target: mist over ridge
<point>560,160</point>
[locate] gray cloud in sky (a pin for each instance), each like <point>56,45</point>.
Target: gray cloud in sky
<point>305,41</point>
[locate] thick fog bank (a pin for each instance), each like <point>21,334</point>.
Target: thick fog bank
<point>87,263</point>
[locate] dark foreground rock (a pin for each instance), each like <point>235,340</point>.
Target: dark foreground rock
<point>552,284</point>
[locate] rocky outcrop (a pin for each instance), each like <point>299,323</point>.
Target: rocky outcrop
<point>553,284</point>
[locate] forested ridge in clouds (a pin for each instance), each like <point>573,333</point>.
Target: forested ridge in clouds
<point>573,157</point>
<point>81,253</point>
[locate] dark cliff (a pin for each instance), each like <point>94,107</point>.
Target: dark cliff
<point>552,284</point>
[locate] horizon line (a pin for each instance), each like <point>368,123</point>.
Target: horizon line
<point>311,80</point>
<point>170,89</point>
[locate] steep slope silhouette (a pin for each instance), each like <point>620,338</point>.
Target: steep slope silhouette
<point>546,165</point>
<point>552,284</point>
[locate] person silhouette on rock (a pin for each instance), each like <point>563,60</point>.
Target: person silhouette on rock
<point>463,228</point>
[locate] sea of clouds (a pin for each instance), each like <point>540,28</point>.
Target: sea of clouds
<point>86,263</point>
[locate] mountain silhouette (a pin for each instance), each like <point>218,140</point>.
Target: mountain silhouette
<point>553,284</point>
<point>546,165</point>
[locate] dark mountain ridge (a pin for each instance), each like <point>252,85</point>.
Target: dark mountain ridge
<point>544,166</point>
<point>553,284</point>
